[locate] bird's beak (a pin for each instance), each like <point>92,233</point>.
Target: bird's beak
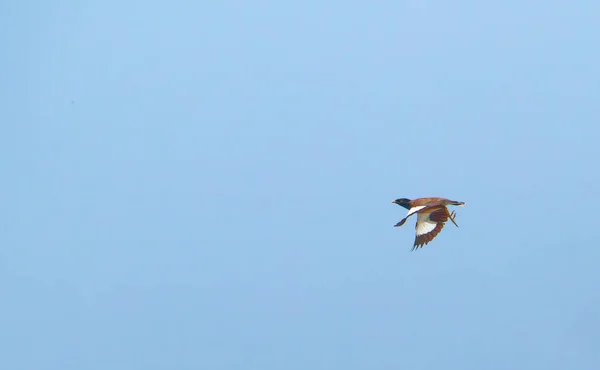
<point>393,201</point>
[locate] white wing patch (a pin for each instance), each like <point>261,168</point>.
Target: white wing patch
<point>414,209</point>
<point>424,224</point>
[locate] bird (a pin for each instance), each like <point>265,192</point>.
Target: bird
<point>431,216</point>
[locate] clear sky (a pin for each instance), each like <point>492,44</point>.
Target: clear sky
<point>207,185</point>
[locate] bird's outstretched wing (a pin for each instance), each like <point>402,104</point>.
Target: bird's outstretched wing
<point>419,209</point>
<point>429,224</point>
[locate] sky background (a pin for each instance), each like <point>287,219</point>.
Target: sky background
<point>207,184</point>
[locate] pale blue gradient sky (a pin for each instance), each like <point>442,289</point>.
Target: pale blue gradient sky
<point>217,195</point>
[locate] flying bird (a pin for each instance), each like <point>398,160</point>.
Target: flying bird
<point>431,216</point>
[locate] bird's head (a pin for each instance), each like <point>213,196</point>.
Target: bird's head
<point>402,202</point>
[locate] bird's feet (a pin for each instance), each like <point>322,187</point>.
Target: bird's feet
<point>452,217</point>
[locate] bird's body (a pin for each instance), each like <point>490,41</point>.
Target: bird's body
<point>432,214</point>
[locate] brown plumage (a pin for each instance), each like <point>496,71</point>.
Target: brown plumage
<point>432,214</point>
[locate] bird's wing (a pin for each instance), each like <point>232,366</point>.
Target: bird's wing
<point>418,209</point>
<point>429,224</point>
<point>414,209</point>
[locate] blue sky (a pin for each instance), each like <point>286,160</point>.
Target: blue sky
<point>207,185</point>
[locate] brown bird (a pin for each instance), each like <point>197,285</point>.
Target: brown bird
<point>431,216</point>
